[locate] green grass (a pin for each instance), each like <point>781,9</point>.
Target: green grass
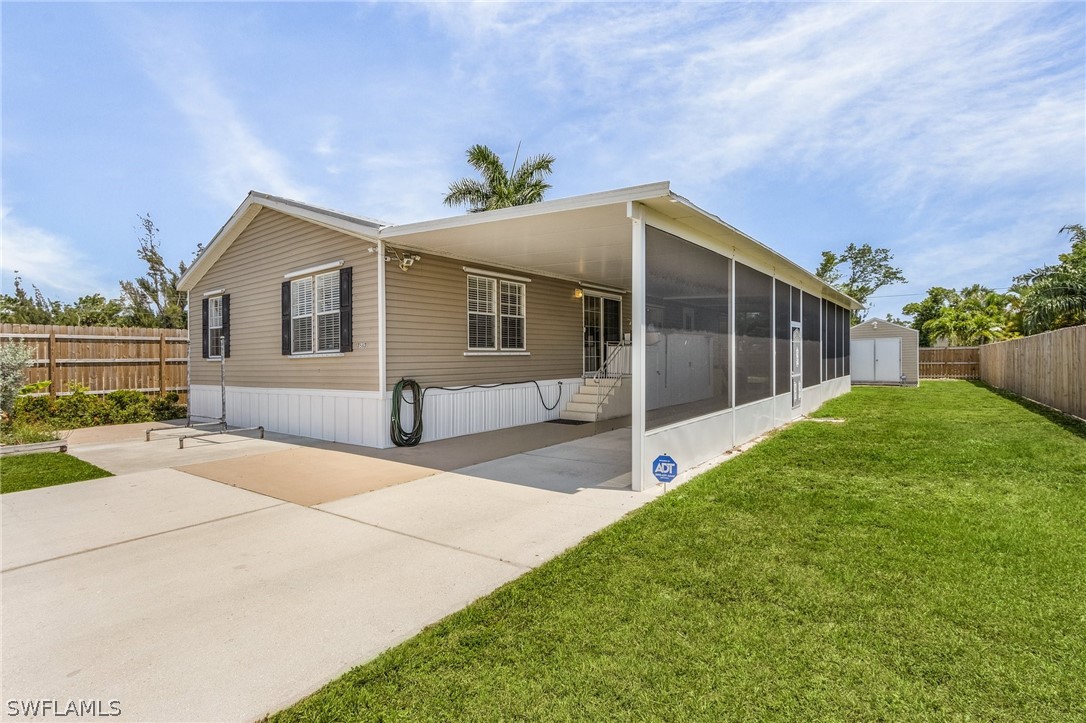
<point>31,471</point>
<point>925,560</point>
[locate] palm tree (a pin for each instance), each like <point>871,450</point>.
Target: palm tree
<point>1055,296</point>
<point>498,187</point>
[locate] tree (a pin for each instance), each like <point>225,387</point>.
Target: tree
<point>868,270</point>
<point>976,315</point>
<point>1054,296</point>
<point>498,187</point>
<point>924,311</point>
<point>21,307</point>
<point>154,299</point>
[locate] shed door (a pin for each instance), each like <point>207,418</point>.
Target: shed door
<point>888,360</point>
<point>863,360</point>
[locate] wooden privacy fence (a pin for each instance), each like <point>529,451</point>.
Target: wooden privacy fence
<point>1049,368</point>
<point>955,362</point>
<point>105,358</point>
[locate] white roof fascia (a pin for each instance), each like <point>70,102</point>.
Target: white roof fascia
<point>573,203</point>
<point>365,229</point>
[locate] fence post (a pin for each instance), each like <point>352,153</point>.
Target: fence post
<point>162,362</point>
<point>52,363</point>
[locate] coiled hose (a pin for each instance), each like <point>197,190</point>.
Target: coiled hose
<point>402,438</point>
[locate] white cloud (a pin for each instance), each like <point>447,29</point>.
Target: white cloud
<point>47,261</point>
<point>234,158</point>
<point>923,97</point>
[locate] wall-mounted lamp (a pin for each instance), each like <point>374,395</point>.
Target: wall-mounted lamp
<point>577,293</point>
<point>404,261</point>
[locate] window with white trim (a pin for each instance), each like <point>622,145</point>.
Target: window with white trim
<point>214,327</point>
<point>512,313</point>
<point>496,315</point>
<point>314,314</point>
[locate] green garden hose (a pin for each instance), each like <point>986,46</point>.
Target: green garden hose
<point>400,437</point>
<point>409,439</point>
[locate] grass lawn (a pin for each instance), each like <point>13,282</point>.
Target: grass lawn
<point>31,471</point>
<point>925,560</point>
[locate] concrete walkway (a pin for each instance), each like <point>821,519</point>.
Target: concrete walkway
<point>186,599</point>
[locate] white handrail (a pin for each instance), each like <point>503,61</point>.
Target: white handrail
<point>619,346</point>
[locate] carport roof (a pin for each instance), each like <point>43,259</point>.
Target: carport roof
<point>585,239</point>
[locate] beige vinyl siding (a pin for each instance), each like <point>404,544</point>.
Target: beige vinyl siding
<point>427,327</point>
<point>251,271</point>
<point>910,344</point>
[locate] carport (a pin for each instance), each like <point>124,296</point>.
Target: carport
<point>729,338</point>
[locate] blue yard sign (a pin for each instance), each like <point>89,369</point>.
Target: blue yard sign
<point>664,468</point>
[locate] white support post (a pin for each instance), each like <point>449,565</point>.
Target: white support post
<point>637,354</point>
<point>382,356</point>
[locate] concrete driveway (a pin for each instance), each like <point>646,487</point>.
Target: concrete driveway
<point>182,598</point>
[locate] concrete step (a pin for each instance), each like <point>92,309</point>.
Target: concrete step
<point>587,397</point>
<point>592,382</point>
<point>579,416</point>
<point>575,406</point>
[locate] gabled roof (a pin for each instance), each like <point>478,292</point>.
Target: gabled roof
<point>879,320</point>
<point>357,226</point>
<point>585,239</point>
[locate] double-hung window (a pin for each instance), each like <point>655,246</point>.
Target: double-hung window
<point>316,313</point>
<point>215,331</point>
<point>496,315</point>
<point>214,327</point>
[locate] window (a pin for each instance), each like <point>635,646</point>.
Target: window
<point>495,305</point>
<point>317,313</point>
<point>512,315</point>
<point>480,313</point>
<point>215,329</point>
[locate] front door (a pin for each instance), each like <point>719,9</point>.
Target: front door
<point>602,325</point>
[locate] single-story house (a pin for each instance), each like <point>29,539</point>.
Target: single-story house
<point>885,353</point>
<point>627,302</point>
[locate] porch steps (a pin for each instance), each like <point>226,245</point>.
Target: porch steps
<point>582,407</point>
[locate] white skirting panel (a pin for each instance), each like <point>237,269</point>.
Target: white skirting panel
<point>688,443</point>
<point>699,440</point>
<point>470,411</point>
<point>783,410</point>
<point>334,415</point>
<point>753,420</point>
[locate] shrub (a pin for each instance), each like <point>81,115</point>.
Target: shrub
<point>22,432</point>
<point>80,409</point>
<point>15,357</point>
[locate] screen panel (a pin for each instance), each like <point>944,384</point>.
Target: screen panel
<point>753,335</point>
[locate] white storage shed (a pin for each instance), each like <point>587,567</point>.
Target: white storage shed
<point>885,353</point>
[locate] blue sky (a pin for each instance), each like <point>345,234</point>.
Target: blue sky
<point>952,133</point>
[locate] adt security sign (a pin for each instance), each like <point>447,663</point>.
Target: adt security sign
<point>664,468</point>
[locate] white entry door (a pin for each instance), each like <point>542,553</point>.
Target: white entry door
<point>888,360</point>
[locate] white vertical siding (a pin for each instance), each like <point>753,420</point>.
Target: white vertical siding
<point>335,415</point>
<point>470,411</point>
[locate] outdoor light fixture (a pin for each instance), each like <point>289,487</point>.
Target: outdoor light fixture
<point>404,261</point>
<point>577,293</point>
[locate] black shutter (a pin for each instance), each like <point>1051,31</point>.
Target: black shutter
<point>226,325</point>
<point>345,339</point>
<point>286,317</point>
<point>204,325</point>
